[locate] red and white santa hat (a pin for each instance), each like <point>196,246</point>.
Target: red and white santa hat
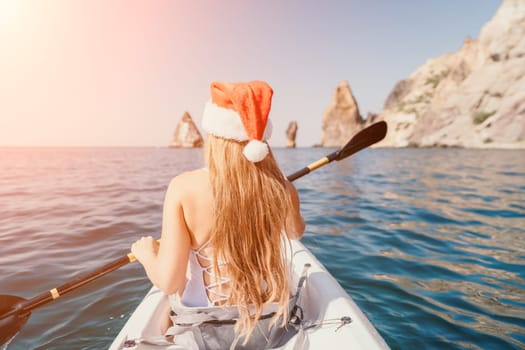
<point>239,111</point>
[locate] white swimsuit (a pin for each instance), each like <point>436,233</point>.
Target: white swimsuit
<point>196,291</point>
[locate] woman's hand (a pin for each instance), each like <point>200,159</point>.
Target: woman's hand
<point>145,248</point>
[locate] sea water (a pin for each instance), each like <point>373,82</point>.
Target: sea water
<point>430,243</point>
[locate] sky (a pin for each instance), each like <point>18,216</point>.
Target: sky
<point>123,72</point>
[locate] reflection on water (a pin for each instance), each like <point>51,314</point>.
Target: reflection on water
<point>429,243</point>
<point>441,233</point>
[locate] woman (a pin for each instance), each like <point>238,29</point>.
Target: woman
<point>225,224</point>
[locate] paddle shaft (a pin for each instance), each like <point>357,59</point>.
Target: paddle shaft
<point>55,293</point>
<point>313,166</point>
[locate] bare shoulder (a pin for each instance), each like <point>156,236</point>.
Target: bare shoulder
<point>187,183</point>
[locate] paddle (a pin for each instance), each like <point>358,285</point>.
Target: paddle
<point>366,137</point>
<point>15,311</point>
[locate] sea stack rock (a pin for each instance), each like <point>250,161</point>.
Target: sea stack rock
<point>474,97</point>
<point>186,134</point>
<point>291,133</point>
<point>341,119</point>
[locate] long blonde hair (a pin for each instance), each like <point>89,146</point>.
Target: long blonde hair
<point>251,203</point>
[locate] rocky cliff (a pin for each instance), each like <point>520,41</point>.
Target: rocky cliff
<point>186,134</point>
<point>341,119</point>
<point>291,133</point>
<point>474,97</point>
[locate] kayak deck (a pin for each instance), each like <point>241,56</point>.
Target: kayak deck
<point>335,320</point>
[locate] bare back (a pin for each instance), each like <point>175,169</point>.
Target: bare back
<point>197,204</point>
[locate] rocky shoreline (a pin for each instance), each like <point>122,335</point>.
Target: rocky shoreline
<point>472,98</point>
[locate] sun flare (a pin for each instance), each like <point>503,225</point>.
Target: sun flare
<point>9,12</point>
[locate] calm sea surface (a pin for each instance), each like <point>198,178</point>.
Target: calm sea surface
<point>429,243</point>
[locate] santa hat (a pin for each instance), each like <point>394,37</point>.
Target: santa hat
<point>239,111</point>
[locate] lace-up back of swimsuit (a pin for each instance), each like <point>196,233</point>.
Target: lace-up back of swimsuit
<point>204,288</point>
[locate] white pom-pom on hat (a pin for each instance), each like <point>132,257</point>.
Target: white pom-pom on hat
<point>255,151</point>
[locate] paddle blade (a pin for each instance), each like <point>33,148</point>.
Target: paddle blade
<point>10,325</point>
<point>363,139</point>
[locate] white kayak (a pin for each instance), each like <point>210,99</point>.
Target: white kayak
<point>331,318</point>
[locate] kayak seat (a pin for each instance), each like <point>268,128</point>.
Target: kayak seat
<point>213,327</point>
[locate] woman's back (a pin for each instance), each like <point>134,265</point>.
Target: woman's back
<point>204,287</point>
<point>197,203</point>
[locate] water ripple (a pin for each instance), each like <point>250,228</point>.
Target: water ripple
<point>429,243</point>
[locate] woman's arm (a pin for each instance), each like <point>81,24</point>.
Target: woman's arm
<point>294,223</point>
<point>165,264</point>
